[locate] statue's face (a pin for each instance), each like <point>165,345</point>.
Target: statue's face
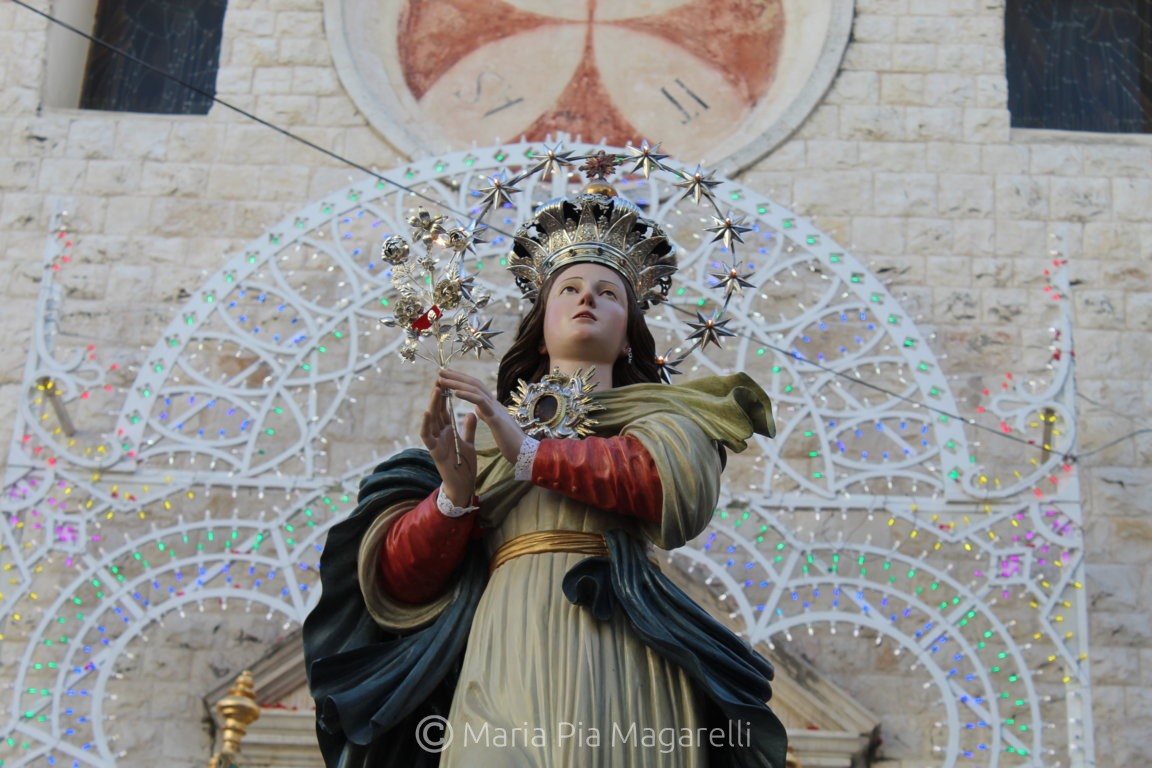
<point>586,318</point>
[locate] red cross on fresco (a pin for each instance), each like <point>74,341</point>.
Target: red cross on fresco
<point>627,62</point>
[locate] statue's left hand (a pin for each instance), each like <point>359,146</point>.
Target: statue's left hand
<point>507,433</point>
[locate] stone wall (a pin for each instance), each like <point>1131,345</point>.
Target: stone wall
<point>910,161</point>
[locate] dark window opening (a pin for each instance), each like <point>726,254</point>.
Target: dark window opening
<point>1080,66</point>
<point>178,37</point>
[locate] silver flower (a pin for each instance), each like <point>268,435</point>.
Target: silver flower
<point>395,250</point>
<point>447,294</point>
<point>407,309</point>
<point>425,226</point>
<point>457,239</point>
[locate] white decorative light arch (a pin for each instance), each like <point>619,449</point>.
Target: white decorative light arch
<point>239,439</point>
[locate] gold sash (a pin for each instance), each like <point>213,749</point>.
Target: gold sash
<point>549,541</point>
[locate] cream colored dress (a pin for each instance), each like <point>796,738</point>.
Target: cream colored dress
<point>544,684</point>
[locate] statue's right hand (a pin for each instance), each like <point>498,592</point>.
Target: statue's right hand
<point>439,435</point>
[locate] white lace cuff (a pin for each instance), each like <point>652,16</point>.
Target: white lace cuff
<point>526,457</point>
<point>447,508</point>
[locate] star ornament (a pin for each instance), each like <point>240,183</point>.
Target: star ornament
<point>498,192</point>
<point>468,289</point>
<point>477,339</point>
<point>733,281</point>
<point>697,185</point>
<point>646,158</point>
<point>728,229</point>
<point>668,365</point>
<point>709,330</point>
<point>553,159</point>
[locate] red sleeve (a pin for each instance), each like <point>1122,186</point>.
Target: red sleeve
<point>616,474</point>
<point>421,551</point>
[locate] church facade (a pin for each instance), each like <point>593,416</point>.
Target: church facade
<point>946,545</point>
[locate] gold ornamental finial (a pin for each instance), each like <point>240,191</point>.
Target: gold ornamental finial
<point>238,709</point>
<point>600,187</point>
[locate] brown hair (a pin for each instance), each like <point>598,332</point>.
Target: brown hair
<point>524,361</point>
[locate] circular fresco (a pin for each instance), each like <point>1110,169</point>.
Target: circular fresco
<point>723,82</point>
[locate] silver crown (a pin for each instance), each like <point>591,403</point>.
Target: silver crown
<point>599,227</point>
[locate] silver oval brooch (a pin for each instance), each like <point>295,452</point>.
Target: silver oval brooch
<point>555,406</point>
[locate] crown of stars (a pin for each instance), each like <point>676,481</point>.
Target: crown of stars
<point>730,278</point>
